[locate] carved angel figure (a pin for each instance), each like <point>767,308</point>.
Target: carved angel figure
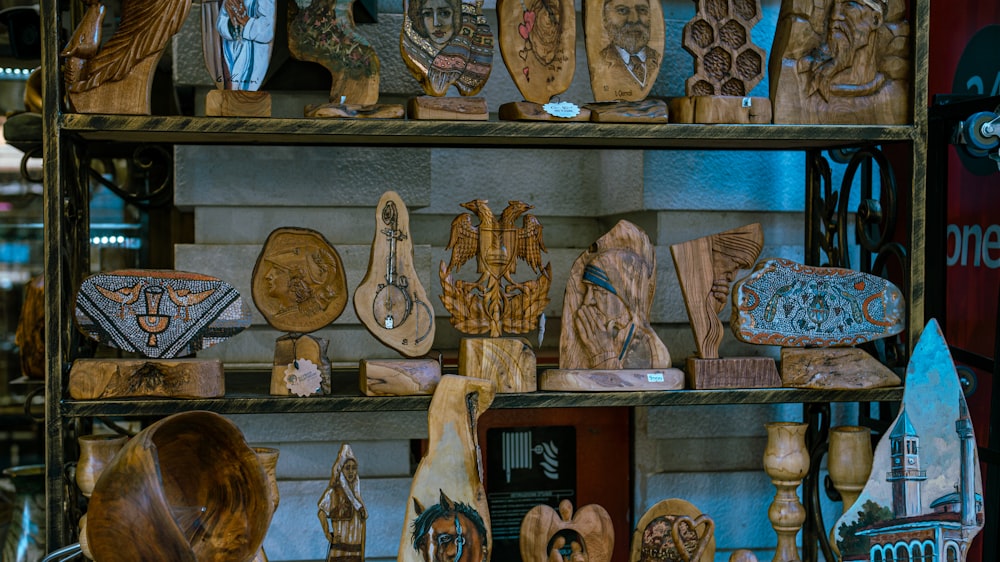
<point>117,77</point>
<point>495,302</point>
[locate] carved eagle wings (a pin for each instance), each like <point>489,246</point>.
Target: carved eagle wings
<point>465,239</point>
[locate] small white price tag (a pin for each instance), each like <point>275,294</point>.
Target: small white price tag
<point>562,109</point>
<point>303,378</point>
<point>747,102</point>
<point>654,377</point>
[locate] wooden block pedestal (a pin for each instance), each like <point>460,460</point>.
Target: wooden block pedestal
<point>508,362</point>
<point>288,349</point>
<point>448,108</point>
<point>591,380</point>
<point>399,377</point>
<point>732,372</point>
<point>834,367</point>
<point>237,103</point>
<point>720,109</point>
<point>530,111</point>
<point>137,378</point>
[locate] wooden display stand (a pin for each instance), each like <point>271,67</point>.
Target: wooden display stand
<point>398,377</point>
<point>529,111</point>
<point>623,380</point>
<point>354,111</point>
<point>720,109</point>
<point>835,367</point>
<point>508,362</point>
<point>237,103</point>
<point>644,111</point>
<point>448,109</point>
<point>732,372</point>
<point>91,379</point>
<point>288,349</point>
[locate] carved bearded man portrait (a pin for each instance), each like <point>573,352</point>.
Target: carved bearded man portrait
<point>627,23</point>
<point>846,62</point>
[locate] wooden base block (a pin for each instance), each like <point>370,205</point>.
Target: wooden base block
<point>135,378</point>
<point>732,372</point>
<point>237,103</point>
<point>530,111</point>
<point>508,362</point>
<point>720,109</point>
<point>645,111</point>
<point>399,377</point>
<point>355,111</point>
<point>288,349</point>
<point>572,380</point>
<point>451,109</point>
<point>834,368</point>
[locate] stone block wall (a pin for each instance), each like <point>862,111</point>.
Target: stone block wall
<point>238,195</point>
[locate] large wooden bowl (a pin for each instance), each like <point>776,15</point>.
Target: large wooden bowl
<point>187,488</point>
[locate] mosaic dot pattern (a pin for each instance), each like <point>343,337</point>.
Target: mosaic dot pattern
<point>726,62</point>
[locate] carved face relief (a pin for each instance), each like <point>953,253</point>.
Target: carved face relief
<point>627,23</point>
<point>438,18</point>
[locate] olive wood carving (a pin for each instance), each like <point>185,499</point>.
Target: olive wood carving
<point>447,497</point>
<point>625,40</point>
<point>342,510</point>
<point>447,43</point>
<point>390,301</point>
<point>584,536</point>
<point>399,377</point>
<point>720,109</point>
<point>237,40</point>
<point>836,367</point>
<point>91,379</point>
<point>726,61</point>
<point>323,31</point>
<point>508,362</point>
<point>117,76</point>
<point>643,111</point>
<point>673,530</point>
<point>706,267</point>
<point>538,45</point>
<point>841,62</point>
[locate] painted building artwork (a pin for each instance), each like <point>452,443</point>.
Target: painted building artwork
<point>923,501</point>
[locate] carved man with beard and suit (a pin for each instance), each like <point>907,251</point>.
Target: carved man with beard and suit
<point>623,49</point>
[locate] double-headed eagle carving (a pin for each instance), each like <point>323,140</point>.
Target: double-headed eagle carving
<point>495,302</point>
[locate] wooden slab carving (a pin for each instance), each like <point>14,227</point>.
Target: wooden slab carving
<point>390,301</point>
<point>342,510</point>
<point>726,61</point>
<point>794,305</point>
<point>447,517</point>
<point>705,268</point>
<point>134,378</point>
<point>160,314</point>
<point>323,31</point>
<point>495,303</point>
<point>839,367</point>
<point>924,495</point>
<point>117,76</point>
<point>298,282</point>
<point>643,111</point>
<point>720,109</point>
<point>607,303</point>
<point>572,380</point>
<point>30,333</point>
<point>237,39</point>
<point>625,41</point>
<point>399,377</point>
<point>508,362</point>
<point>673,530</point>
<point>538,45</point>
<point>548,536</point>
<point>447,43</point>
<point>841,61</point>
<point>186,488</point>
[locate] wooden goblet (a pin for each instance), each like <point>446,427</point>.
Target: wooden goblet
<point>849,462</point>
<point>786,461</point>
<point>96,452</point>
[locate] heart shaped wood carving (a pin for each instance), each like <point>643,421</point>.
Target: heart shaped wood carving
<point>673,530</point>
<point>547,535</point>
<point>684,527</point>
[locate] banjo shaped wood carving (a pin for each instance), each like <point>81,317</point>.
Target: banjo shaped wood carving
<point>390,301</point>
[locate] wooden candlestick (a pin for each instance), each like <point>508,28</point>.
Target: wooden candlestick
<point>786,461</point>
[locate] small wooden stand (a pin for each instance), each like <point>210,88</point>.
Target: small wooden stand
<point>643,111</point>
<point>720,109</point>
<point>289,348</point>
<point>834,368</point>
<point>582,380</point>
<point>448,108</point>
<point>399,377</point>
<point>732,372</point>
<point>508,362</point>
<point>529,111</point>
<point>354,111</point>
<point>91,379</point>
<point>237,103</point>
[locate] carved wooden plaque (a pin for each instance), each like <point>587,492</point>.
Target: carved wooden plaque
<point>298,281</point>
<point>390,301</point>
<point>607,303</point>
<point>726,61</point>
<point>446,43</point>
<point>706,267</point>
<point>538,45</point>
<point>841,61</point>
<point>323,31</point>
<point>625,41</point>
<point>794,305</point>
<point>237,39</point>
<point>925,469</point>
<point>117,77</point>
<point>495,303</point>
<point>160,314</point>
<point>548,536</point>
<point>673,530</point>
<point>447,517</point>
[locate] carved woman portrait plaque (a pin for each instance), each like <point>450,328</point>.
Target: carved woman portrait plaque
<point>445,43</point>
<point>607,303</point>
<point>538,44</point>
<point>298,281</point>
<point>624,47</point>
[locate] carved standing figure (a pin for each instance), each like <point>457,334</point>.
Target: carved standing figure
<point>342,511</point>
<point>842,61</point>
<point>445,43</point>
<point>246,28</point>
